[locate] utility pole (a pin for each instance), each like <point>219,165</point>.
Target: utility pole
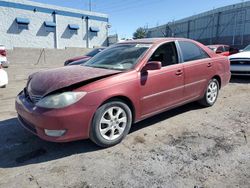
<point>90,5</point>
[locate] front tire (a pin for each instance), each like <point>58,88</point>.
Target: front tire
<point>211,93</point>
<point>111,123</point>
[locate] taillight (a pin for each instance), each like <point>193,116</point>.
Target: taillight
<point>3,52</point>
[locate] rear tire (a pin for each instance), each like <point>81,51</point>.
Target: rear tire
<point>211,93</point>
<point>111,123</point>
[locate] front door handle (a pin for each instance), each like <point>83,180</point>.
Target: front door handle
<point>179,72</point>
<point>209,64</point>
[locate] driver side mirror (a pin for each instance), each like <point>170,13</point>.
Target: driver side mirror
<point>152,65</point>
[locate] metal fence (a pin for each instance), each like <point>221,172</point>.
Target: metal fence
<point>228,25</point>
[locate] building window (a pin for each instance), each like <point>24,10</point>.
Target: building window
<point>94,30</point>
<point>50,26</point>
<point>23,23</point>
<point>73,28</point>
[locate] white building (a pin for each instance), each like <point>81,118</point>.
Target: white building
<point>34,25</point>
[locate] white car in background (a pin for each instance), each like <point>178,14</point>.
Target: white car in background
<point>3,58</point>
<point>3,78</point>
<point>240,63</point>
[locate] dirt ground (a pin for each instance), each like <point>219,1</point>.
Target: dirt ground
<point>186,147</point>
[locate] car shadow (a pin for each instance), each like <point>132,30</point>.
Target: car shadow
<point>240,79</point>
<point>18,147</point>
<point>164,115</point>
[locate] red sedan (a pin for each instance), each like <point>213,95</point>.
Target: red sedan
<point>82,59</point>
<point>224,50</point>
<point>121,85</point>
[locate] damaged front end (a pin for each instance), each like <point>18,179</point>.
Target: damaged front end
<point>51,107</point>
<point>49,89</point>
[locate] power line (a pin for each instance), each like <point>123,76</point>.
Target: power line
<point>124,5</point>
<point>121,5</point>
<point>90,5</point>
<point>117,4</point>
<point>133,6</point>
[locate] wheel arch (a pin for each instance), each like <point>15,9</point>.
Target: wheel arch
<point>126,100</point>
<point>218,78</point>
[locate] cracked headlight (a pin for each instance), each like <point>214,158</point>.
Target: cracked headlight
<point>60,100</point>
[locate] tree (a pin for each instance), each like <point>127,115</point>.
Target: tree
<point>140,33</point>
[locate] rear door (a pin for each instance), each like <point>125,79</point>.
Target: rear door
<point>198,69</point>
<point>162,88</point>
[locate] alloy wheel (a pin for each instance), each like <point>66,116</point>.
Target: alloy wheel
<point>212,92</point>
<point>113,123</point>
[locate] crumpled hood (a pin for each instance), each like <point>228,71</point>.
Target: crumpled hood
<point>45,82</point>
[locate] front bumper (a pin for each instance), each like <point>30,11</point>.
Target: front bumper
<point>5,64</point>
<point>75,119</point>
<point>3,78</point>
<point>240,69</point>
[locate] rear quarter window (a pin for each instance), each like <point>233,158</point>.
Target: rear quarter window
<point>226,48</point>
<point>191,51</point>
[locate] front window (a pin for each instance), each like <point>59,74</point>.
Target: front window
<point>118,57</point>
<point>166,54</point>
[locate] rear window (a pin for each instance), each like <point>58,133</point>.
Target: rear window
<point>191,51</point>
<point>220,49</point>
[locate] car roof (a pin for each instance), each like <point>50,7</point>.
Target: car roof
<point>153,40</point>
<point>217,45</point>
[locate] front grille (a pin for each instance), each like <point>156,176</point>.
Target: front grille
<point>32,98</point>
<point>27,125</point>
<point>240,62</point>
<point>35,98</point>
<point>241,72</point>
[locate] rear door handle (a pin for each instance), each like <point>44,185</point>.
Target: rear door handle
<point>209,65</point>
<point>179,72</point>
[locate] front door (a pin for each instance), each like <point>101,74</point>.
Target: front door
<point>162,88</point>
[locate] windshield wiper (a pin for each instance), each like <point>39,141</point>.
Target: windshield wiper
<point>104,67</point>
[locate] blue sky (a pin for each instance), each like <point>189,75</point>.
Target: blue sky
<point>126,16</point>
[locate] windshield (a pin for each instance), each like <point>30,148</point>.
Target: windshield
<point>94,52</point>
<point>119,57</point>
<point>247,48</point>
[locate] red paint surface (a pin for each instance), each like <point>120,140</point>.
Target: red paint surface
<point>149,92</point>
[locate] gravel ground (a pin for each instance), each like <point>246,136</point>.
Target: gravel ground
<point>186,147</point>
